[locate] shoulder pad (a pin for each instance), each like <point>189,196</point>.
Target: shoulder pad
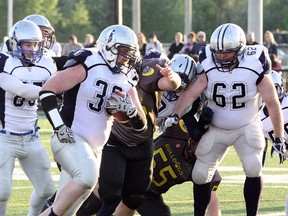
<point>77,57</point>
<point>3,59</point>
<point>202,53</point>
<point>70,63</point>
<point>200,69</point>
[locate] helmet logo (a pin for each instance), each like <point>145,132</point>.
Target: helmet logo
<point>110,36</point>
<point>148,71</point>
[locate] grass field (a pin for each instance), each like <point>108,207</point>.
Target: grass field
<point>180,198</point>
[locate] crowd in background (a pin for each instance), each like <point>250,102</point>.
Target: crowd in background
<point>191,45</point>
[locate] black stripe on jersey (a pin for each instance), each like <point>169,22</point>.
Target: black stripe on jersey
<point>102,64</point>
<point>3,59</point>
<point>264,62</point>
<point>202,54</point>
<point>67,110</point>
<point>34,66</point>
<point>2,106</point>
<point>265,112</point>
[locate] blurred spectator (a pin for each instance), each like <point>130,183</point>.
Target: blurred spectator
<point>89,41</point>
<point>190,47</point>
<point>142,42</point>
<point>71,46</point>
<point>176,46</point>
<point>250,38</point>
<point>201,41</point>
<point>275,62</point>
<point>154,44</point>
<point>270,42</point>
<point>56,48</point>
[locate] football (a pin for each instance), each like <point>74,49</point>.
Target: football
<point>120,116</point>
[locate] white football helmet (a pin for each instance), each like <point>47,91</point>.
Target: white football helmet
<point>186,67</point>
<point>278,83</point>
<point>48,31</point>
<point>27,31</point>
<point>111,40</point>
<point>226,38</point>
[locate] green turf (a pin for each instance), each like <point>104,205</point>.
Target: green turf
<point>180,197</point>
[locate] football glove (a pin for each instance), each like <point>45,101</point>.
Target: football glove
<point>169,121</point>
<point>117,103</point>
<point>206,116</point>
<point>279,147</point>
<point>64,134</point>
<point>189,151</point>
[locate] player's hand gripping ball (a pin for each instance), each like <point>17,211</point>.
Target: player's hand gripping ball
<point>116,106</point>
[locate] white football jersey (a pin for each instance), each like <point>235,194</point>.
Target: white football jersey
<point>18,114</point>
<point>166,107</point>
<point>233,95</point>
<point>267,124</point>
<point>84,106</point>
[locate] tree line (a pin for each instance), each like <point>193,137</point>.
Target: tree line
<point>162,17</point>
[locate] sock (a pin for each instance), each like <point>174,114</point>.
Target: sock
<point>52,213</point>
<point>202,194</point>
<point>91,206</point>
<point>108,208</point>
<point>252,193</point>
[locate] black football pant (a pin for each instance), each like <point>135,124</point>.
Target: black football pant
<point>125,174</point>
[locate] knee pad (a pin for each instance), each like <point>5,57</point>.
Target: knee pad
<point>88,173</point>
<point>200,173</point>
<point>133,201</point>
<point>252,167</point>
<point>47,191</point>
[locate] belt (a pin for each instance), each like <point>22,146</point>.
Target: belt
<point>20,134</point>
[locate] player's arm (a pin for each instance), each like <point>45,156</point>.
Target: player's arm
<point>138,121</point>
<point>267,91</point>
<point>13,85</point>
<point>170,80</point>
<point>187,98</point>
<point>66,79</point>
<point>58,83</point>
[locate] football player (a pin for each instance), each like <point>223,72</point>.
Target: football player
<point>174,155</point>
<point>174,142</point>
<point>233,78</point>
<point>48,34</point>
<point>266,120</point>
<point>19,135</point>
<point>46,28</point>
<point>125,172</point>
<point>83,125</point>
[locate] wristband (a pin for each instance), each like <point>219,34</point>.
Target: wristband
<point>49,104</point>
